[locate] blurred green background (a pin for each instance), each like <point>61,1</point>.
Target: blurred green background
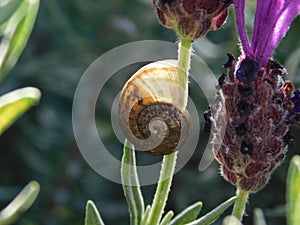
<point>68,36</point>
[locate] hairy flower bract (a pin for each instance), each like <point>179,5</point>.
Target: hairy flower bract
<point>254,106</point>
<point>191,19</point>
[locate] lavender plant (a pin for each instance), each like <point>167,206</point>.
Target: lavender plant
<point>249,118</point>
<point>16,20</point>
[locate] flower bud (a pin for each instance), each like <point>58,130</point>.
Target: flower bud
<point>191,18</point>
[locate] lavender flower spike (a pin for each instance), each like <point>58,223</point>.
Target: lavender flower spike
<point>254,101</point>
<point>272,21</point>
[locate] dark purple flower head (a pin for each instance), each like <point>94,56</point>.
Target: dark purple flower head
<point>254,107</point>
<point>272,21</point>
<point>249,120</point>
<point>191,18</point>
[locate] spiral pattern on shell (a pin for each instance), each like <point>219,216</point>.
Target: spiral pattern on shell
<point>152,112</point>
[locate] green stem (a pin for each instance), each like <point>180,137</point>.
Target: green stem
<point>169,161</point>
<point>240,203</point>
<point>184,54</point>
<point>163,188</point>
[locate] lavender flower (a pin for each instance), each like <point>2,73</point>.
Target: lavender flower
<point>255,102</point>
<point>191,18</point>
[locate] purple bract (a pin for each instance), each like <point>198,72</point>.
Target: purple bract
<point>272,20</point>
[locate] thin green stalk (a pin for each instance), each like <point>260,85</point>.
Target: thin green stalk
<point>240,203</point>
<point>184,54</point>
<point>163,188</point>
<point>169,161</point>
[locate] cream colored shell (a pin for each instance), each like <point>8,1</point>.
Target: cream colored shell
<point>152,110</point>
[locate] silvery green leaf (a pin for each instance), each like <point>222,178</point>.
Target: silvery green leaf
<point>167,218</point>
<point>213,215</point>
<point>92,216</point>
<point>16,34</point>
<point>187,215</point>
<point>146,215</point>
<point>131,184</point>
<point>7,8</point>
<point>15,103</point>
<point>20,204</point>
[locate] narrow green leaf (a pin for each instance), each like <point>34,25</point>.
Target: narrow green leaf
<point>92,216</point>
<point>259,218</point>
<point>167,218</point>
<point>214,214</point>
<point>16,34</point>
<point>7,8</point>
<point>146,215</point>
<point>231,220</point>
<point>15,103</point>
<point>131,184</point>
<point>187,215</point>
<point>20,204</point>
<point>293,192</point>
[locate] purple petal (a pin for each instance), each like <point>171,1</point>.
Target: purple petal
<point>239,6</point>
<point>261,10</point>
<point>272,21</point>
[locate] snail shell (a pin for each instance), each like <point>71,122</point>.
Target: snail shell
<point>152,108</point>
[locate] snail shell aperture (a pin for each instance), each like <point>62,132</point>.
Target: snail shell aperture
<point>152,108</point>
